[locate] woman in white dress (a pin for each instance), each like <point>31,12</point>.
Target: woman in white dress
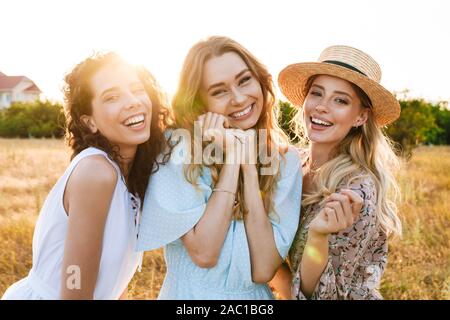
<point>85,236</point>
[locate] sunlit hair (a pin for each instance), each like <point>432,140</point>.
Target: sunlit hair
<point>78,96</point>
<point>188,105</point>
<point>365,149</point>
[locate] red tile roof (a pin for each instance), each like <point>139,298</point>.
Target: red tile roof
<point>33,88</point>
<point>10,82</point>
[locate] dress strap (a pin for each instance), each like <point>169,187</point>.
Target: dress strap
<point>94,151</point>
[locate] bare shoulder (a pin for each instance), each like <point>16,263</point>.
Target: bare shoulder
<point>93,175</point>
<point>95,170</point>
<point>91,184</point>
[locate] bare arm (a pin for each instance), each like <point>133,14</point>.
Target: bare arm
<point>87,200</point>
<point>264,255</point>
<point>314,261</point>
<point>281,282</point>
<point>338,214</point>
<point>205,240</point>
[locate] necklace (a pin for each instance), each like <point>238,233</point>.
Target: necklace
<point>310,165</point>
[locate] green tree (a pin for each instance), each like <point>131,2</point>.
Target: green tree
<point>416,125</point>
<point>286,112</point>
<point>442,116</point>
<point>40,119</point>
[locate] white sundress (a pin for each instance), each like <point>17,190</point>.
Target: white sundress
<point>118,262</point>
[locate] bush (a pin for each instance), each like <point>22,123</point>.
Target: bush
<point>36,119</point>
<point>420,122</point>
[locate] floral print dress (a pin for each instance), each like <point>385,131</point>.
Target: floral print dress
<point>357,256</point>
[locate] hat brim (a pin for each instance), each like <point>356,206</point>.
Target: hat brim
<point>293,78</point>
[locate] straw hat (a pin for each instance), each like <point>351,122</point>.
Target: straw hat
<point>349,64</point>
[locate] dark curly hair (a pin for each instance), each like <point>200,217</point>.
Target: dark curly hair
<point>78,97</point>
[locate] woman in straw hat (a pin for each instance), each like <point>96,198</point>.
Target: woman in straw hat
<point>348,204</point>
<point>229,226</point>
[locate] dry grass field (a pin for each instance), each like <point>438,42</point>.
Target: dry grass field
<point>419,264</point>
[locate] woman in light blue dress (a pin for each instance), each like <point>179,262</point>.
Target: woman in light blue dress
<point>226,224</point>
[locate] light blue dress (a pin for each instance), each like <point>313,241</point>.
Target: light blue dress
<point>173,206</point>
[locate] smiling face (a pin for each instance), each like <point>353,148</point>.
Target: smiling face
<point>229,88</point>
<point>121,108</point>
<point>330,110</point>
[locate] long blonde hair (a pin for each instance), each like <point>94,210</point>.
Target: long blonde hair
<point>188,105</point>
<point>364,149</point>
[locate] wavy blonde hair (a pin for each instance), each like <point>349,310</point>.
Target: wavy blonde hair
<point>187,105</point>
<point>365,150</point>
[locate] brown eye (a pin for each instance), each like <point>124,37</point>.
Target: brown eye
<point>217,92</point>
<point>244,80</point>
<point>341,101</point>
<point>111,98</point>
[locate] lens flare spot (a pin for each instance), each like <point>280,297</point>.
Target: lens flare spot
<point>314,254</point>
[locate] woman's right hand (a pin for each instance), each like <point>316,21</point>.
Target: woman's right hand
<point>340,212</point>
<point>214,125</point>
<point>217,127</point>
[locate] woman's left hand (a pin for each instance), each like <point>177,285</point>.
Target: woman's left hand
<point>249,147</point>
<point>346,206</point>
<point>341,210</point>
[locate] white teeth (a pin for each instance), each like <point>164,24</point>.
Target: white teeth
<point>241,113</point>
<point>318,121</point>
<point>133,120</point>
